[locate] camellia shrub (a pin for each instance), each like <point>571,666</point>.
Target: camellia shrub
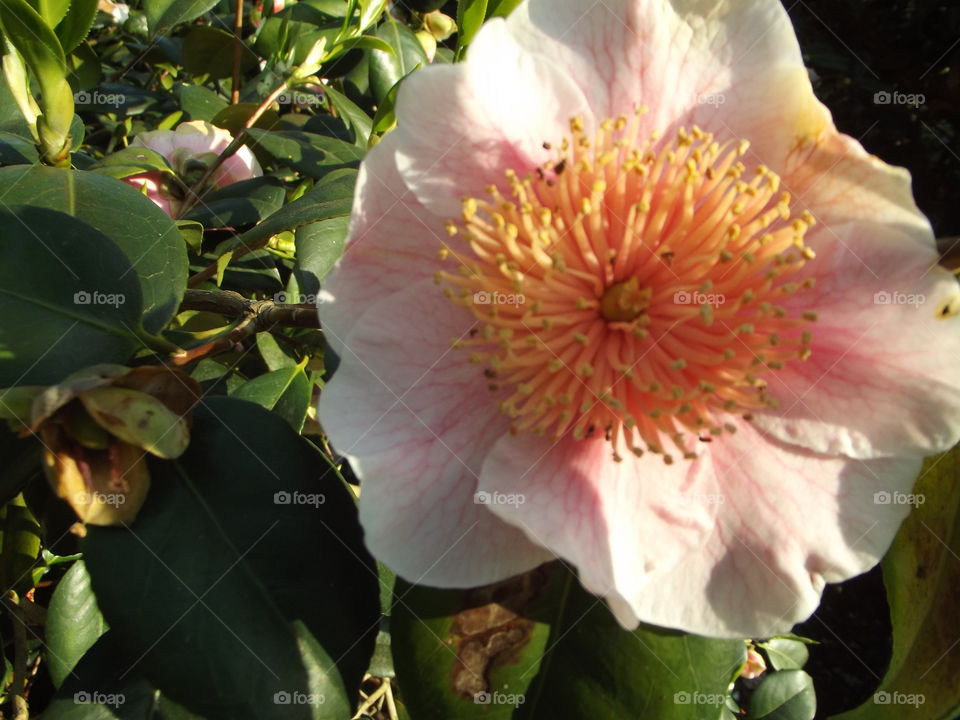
<point>517,359</point>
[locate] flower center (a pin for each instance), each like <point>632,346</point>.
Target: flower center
<point>631,289</point>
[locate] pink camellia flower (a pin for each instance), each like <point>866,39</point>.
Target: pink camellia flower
<point>617,291</point>
<point>190,150</point>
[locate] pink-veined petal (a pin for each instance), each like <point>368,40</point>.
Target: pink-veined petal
<point>403,407</point>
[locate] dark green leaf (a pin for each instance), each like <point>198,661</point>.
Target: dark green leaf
<point>319,246</point>
<point>240,204</point>
<point>355,118</point>
<point>225,631</point>
<point>786,653</point>
<point>313,155</point>
<point>19,546</point>
<point>209,51</point>
<point>131,160</point>
<point>74,623</point>
<point>17,150</point>
<point>163,15</point>
<point>148,238</point>
<point>200,103</point>
<point>785,695</point>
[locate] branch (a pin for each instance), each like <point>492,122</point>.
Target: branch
<point>237,54</point>
<point>255,316</point>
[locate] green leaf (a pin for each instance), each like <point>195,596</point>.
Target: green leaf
<point>385,118</point>
<point>921,573</point>
<point>68,297</point>
<point>85,69</point>
<point>17,150</point>
<point>786,653</point>
<point>192,233</point>
<point>273,355</point>
<point>319,246</point>
<point>132,160</point>
<point>76,23</point>
<point>370,12</point>
<point>286,391</point>
<point>239,204</point>
<point>148,238</point>
<point>313,155</point>
<point>539,646</point>
<point>74,623</point>
<point>200,103</point>
<point>163,15</point>
<point>330,197</point>
<point>501,8</point>
<point>470,16</point>
<point>785,695</point>
<point>387,69</point>
<point>105,685</point>
<point>223,631</point>
<point>138,419</point>
<point>209,51</point>
<point>355,118</point>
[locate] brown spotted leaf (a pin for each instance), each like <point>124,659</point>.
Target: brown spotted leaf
<point>139,419</point>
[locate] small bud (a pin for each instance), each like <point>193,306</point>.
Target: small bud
<point>440,26</point>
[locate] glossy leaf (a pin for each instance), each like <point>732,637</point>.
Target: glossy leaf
<point>355,118</point>
<point>785,695</point>
<point>286,392</point>
<point>387,69</point>
<point>539,646</point>
<point>313,155</point>
<point>239,204</point>
<point>164,15</point>
<point>319,246</point>
<point>209,51</point>
<point>786,653</point>
<point>245,616</point>
<point>470,16</point>
<point>138,419</point>
<point>76,23</point>
<point>74,623</point>
<point>156,257</point>
<point>19,545</point>
<point>922,576</point>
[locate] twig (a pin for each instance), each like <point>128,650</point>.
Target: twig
<point>255,316</point>
<point>237,54</point>
<point>21,710</point>
<point>372,698</point>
